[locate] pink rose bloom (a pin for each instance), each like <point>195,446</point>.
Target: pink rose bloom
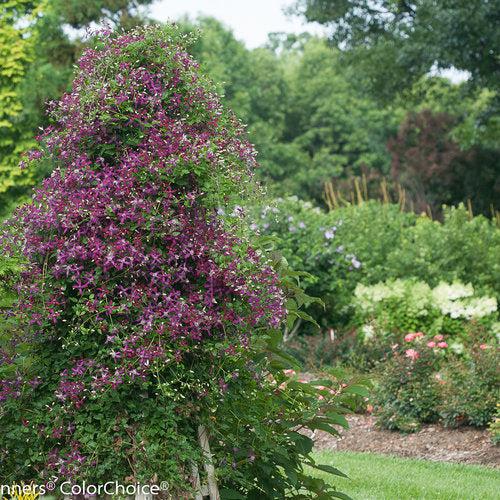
<point>418,334</point>
<point>412,354</point>
<point>438,337</point>
<point>442,345</point>
<point>431,344</point>
<point>409,337</point>
<point>484,347</point>
<point>289,373</point>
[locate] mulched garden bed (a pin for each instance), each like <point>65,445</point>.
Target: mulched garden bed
<point>432,442</point>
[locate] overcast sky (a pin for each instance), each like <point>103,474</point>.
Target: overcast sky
<point>251,20</point>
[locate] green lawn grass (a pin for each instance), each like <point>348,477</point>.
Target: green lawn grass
<point>380,477</point>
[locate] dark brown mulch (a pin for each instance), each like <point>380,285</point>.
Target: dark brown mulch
<point>432,442</point>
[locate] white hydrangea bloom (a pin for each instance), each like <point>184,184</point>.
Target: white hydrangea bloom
<point>368,296</point>
<point>480,307</point>
<point>420,297</point>
<point>457,301</point>
<point>446,292</point>
<point>457,347</point>
<point>368,332</point>
<point>417,292</point>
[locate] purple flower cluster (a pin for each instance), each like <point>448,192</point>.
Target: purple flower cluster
<point>127,258</point>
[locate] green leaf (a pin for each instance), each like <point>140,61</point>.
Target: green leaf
<point>330,469</point>
<point>325,381</point>
<point>360,390</point>
<point>323,426</point>
<point>336,418</point>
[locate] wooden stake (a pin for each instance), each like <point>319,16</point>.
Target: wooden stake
<point>329,196</point>
<point>365,186</point>
<point>198,488</point>
<point>469,208</point>
<point>359,196</point>
<point>383,187</point>
<point>213,490</point>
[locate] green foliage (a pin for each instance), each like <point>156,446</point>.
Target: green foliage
<point>407,394</point>
<point>9,272</point>
<point>308,112</point>
<point>305,116</point>
<point>413,37</point>
<point>80,14</point>
<point>321,123</point>
<point>37,65</point>
<point>470,389</point>
<point>9,268</point>
<point>393,244</point>
<point>251,440</point>
<point>383,242</point>
<point>494,427</point>
<point>394,46</point>
<point>373,231</point>
<point>476,124</point>
<point>17,52</point>
<point>460,248</point>
<point>337,127</point>
<point>311,239</point>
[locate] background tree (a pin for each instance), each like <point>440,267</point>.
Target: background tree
<point>435,170</point>
<point>310,108</point>
<point>308,119</point>
<point>17,52</point>
<point>336,128</point>
<point>412,37</point>
<point>395,45</point>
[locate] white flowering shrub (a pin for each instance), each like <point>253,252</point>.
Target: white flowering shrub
<point>400,306</point>
<point>458,301</point>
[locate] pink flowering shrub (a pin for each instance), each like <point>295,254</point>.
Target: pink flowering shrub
<point>140,312</point>
<point>424,380</point>
<point>407,393</point>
